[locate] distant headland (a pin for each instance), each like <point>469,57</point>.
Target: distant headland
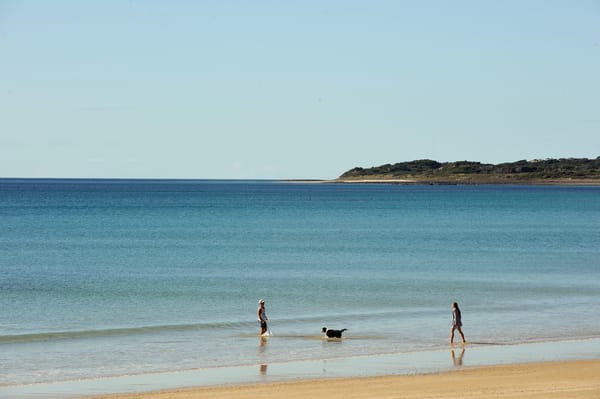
<point>426,171</point>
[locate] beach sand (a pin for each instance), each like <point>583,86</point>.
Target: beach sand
<point>572,379</point>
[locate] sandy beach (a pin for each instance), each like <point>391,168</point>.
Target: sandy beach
<point>573,379</point>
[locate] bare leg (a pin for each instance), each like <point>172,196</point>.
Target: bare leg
<point>452,334</point>
<point>461,334</point>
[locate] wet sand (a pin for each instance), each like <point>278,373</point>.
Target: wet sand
<point>572,379</point>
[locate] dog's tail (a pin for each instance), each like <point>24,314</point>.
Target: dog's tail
<point>343,329</point>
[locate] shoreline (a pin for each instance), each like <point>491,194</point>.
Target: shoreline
<point>564,379</point>
<point>452,182</point>
<point>221,379</point>
<point>358,180</point>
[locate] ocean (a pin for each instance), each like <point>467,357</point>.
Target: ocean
<point>103,279</point>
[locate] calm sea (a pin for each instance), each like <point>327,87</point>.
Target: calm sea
<point>104,278</point>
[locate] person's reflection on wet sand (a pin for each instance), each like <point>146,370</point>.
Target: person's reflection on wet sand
<point>261,352</point>
<point>263,369</point>
<point>457,361</point>
<point>263,345</point>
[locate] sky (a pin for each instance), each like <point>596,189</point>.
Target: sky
<point>292,89</point>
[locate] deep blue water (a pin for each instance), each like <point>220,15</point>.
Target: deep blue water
<point>113,277</point>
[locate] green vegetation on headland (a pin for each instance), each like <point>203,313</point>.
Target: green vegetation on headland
<point>546,171</point>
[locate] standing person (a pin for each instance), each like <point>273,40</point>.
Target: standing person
<point>262,316</point>
<point>456,323</point>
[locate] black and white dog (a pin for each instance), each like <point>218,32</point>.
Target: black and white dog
<point>333,333</point>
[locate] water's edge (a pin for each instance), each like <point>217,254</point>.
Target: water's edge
<point>456,356</point>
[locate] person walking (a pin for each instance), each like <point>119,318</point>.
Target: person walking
<point>262,316</point>
<point>456,323</point>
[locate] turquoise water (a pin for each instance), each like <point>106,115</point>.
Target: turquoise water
<point>103,278</point>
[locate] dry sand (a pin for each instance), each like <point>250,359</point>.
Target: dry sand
<point>575,379</point>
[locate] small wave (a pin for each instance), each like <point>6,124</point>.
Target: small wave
<point>318,337</point>
<point>110,332</point>
<point>388,314</point>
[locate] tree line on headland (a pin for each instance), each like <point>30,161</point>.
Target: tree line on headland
<point>563,170</point>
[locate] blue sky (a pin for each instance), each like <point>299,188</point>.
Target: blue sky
<point>292,89</point>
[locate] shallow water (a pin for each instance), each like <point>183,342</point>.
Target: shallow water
<point>407,363</point>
